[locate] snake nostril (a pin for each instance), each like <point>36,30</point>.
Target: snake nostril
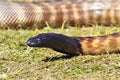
<point>28,43</point>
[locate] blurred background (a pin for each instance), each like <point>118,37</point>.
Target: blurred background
<point>26,0</point>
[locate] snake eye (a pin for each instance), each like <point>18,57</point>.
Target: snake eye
<point>34,42</point>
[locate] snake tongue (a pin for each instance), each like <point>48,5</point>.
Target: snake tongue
<point>23,44</point>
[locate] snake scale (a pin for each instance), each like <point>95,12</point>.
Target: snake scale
<point>80,12</point>
<point>75,12</point>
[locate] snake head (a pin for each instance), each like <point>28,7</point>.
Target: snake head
<point>57,42</point>
<point>49,40</point>
<point>37,41</point>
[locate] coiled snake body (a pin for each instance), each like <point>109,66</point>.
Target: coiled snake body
<point>80,12</point>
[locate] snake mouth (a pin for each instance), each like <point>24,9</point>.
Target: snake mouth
<point>30,43</point>
<point>34,42</point>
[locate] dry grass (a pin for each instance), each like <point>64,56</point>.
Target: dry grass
<point>24,63</point>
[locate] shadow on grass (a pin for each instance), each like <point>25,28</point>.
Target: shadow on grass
<point>58,58</point>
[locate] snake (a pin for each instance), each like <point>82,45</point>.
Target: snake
<point>57,13</point>
<point>91,45</point>
<point>62,13</point>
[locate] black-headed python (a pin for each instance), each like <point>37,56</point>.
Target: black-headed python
<point>81,12</point>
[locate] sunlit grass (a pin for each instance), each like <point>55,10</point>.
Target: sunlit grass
<point>26,63</point>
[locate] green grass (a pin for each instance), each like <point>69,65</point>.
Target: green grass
<point>24,63</point>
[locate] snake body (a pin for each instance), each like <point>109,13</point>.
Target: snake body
<point>77,45</point>
<point>74,12</point>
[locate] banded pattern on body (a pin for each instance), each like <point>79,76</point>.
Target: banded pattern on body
<point>80,12</point>
<point>100,44</point>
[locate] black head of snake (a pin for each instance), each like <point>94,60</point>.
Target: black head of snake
<point>57,42</point>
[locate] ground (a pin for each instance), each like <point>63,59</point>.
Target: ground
<point>25,63</point>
